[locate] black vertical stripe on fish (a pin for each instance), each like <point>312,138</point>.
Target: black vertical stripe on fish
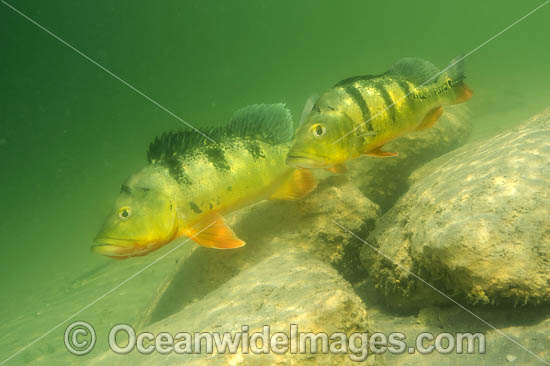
<point>390,104</point>
<point>254,148</point>
<point>216,156</point>
<point>353,79</point>
<point>176,171</point>
<point>407,92</point>
<point>355,94</point>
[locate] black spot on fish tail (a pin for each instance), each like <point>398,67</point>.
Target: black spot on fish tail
<point>254,148</point>
<point>355,94</point>
<point>194,207</point>
<point>216,156</point>
<point>229,188</point>
<point>390,104</point>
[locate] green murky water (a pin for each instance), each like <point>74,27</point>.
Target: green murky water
<point>71,133</point>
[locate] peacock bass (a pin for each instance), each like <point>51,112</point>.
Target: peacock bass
<point>362,113</point>
<point>190,182</point>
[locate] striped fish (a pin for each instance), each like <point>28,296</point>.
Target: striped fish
<point>190,182</point>
<point>362,113</point>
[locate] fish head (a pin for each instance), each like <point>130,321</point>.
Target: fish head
<point>141,221</point>
<point>320,142</point>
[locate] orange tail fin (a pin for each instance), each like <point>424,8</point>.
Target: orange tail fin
<point>463,93</point>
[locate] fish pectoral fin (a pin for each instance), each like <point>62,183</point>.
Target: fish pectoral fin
<point>338,169</point>
<point>214,233</point>
<point>299,184</point>
<point>378,153</point>
<point>431,118</point>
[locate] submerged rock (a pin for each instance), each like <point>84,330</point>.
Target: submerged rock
<point>519,335</point>
<point>475,223</point>
<point>288,288</point>
<point>383,180</point>
<point>270,228</point>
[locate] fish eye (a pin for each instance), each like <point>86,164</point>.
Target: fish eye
<point>318,130</point>
<point>124,213</point>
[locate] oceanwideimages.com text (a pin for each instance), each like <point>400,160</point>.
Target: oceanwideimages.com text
<point>356,345</point>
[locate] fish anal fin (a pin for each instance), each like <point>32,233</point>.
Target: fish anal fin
<point>431,118</point>
<point>212,232</point>
<point>378,153</point>
<point>299,184</point>
<point>338,169</point>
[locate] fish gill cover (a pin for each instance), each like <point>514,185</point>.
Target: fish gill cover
<point>271,123</point>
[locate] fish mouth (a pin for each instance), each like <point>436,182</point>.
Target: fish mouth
<point>122,248</point>
<point>307,161</point>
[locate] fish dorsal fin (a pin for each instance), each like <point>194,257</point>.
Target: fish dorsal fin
<point>271,123</point>
<point>415,70</point>
<point>353,79</point>
<point>308,107</point>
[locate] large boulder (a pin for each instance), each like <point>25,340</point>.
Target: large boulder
<point>288,288</point>
<point>475,224</point>
<point>383,180</point>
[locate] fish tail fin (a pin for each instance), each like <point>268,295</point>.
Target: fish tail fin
<point>455,73</point>
<point>298,185</point>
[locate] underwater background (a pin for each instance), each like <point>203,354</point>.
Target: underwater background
<point>70,133</point>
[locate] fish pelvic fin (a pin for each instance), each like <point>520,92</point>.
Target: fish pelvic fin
<point>431,118</point>
<point>212,232</point>
<point>378,153</point>
<point>298,185</point>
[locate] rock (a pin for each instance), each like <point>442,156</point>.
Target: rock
<point>515,331</point>
<point>290,287</point>
<point>276,227</point>
<point>475,224</point>
<point>384,180</point>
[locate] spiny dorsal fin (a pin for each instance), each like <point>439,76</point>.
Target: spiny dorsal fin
<point>271,123</point>
<point>415,70</point>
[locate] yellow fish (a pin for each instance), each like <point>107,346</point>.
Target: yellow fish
<point>362,113</point>
<point>190,182</point>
